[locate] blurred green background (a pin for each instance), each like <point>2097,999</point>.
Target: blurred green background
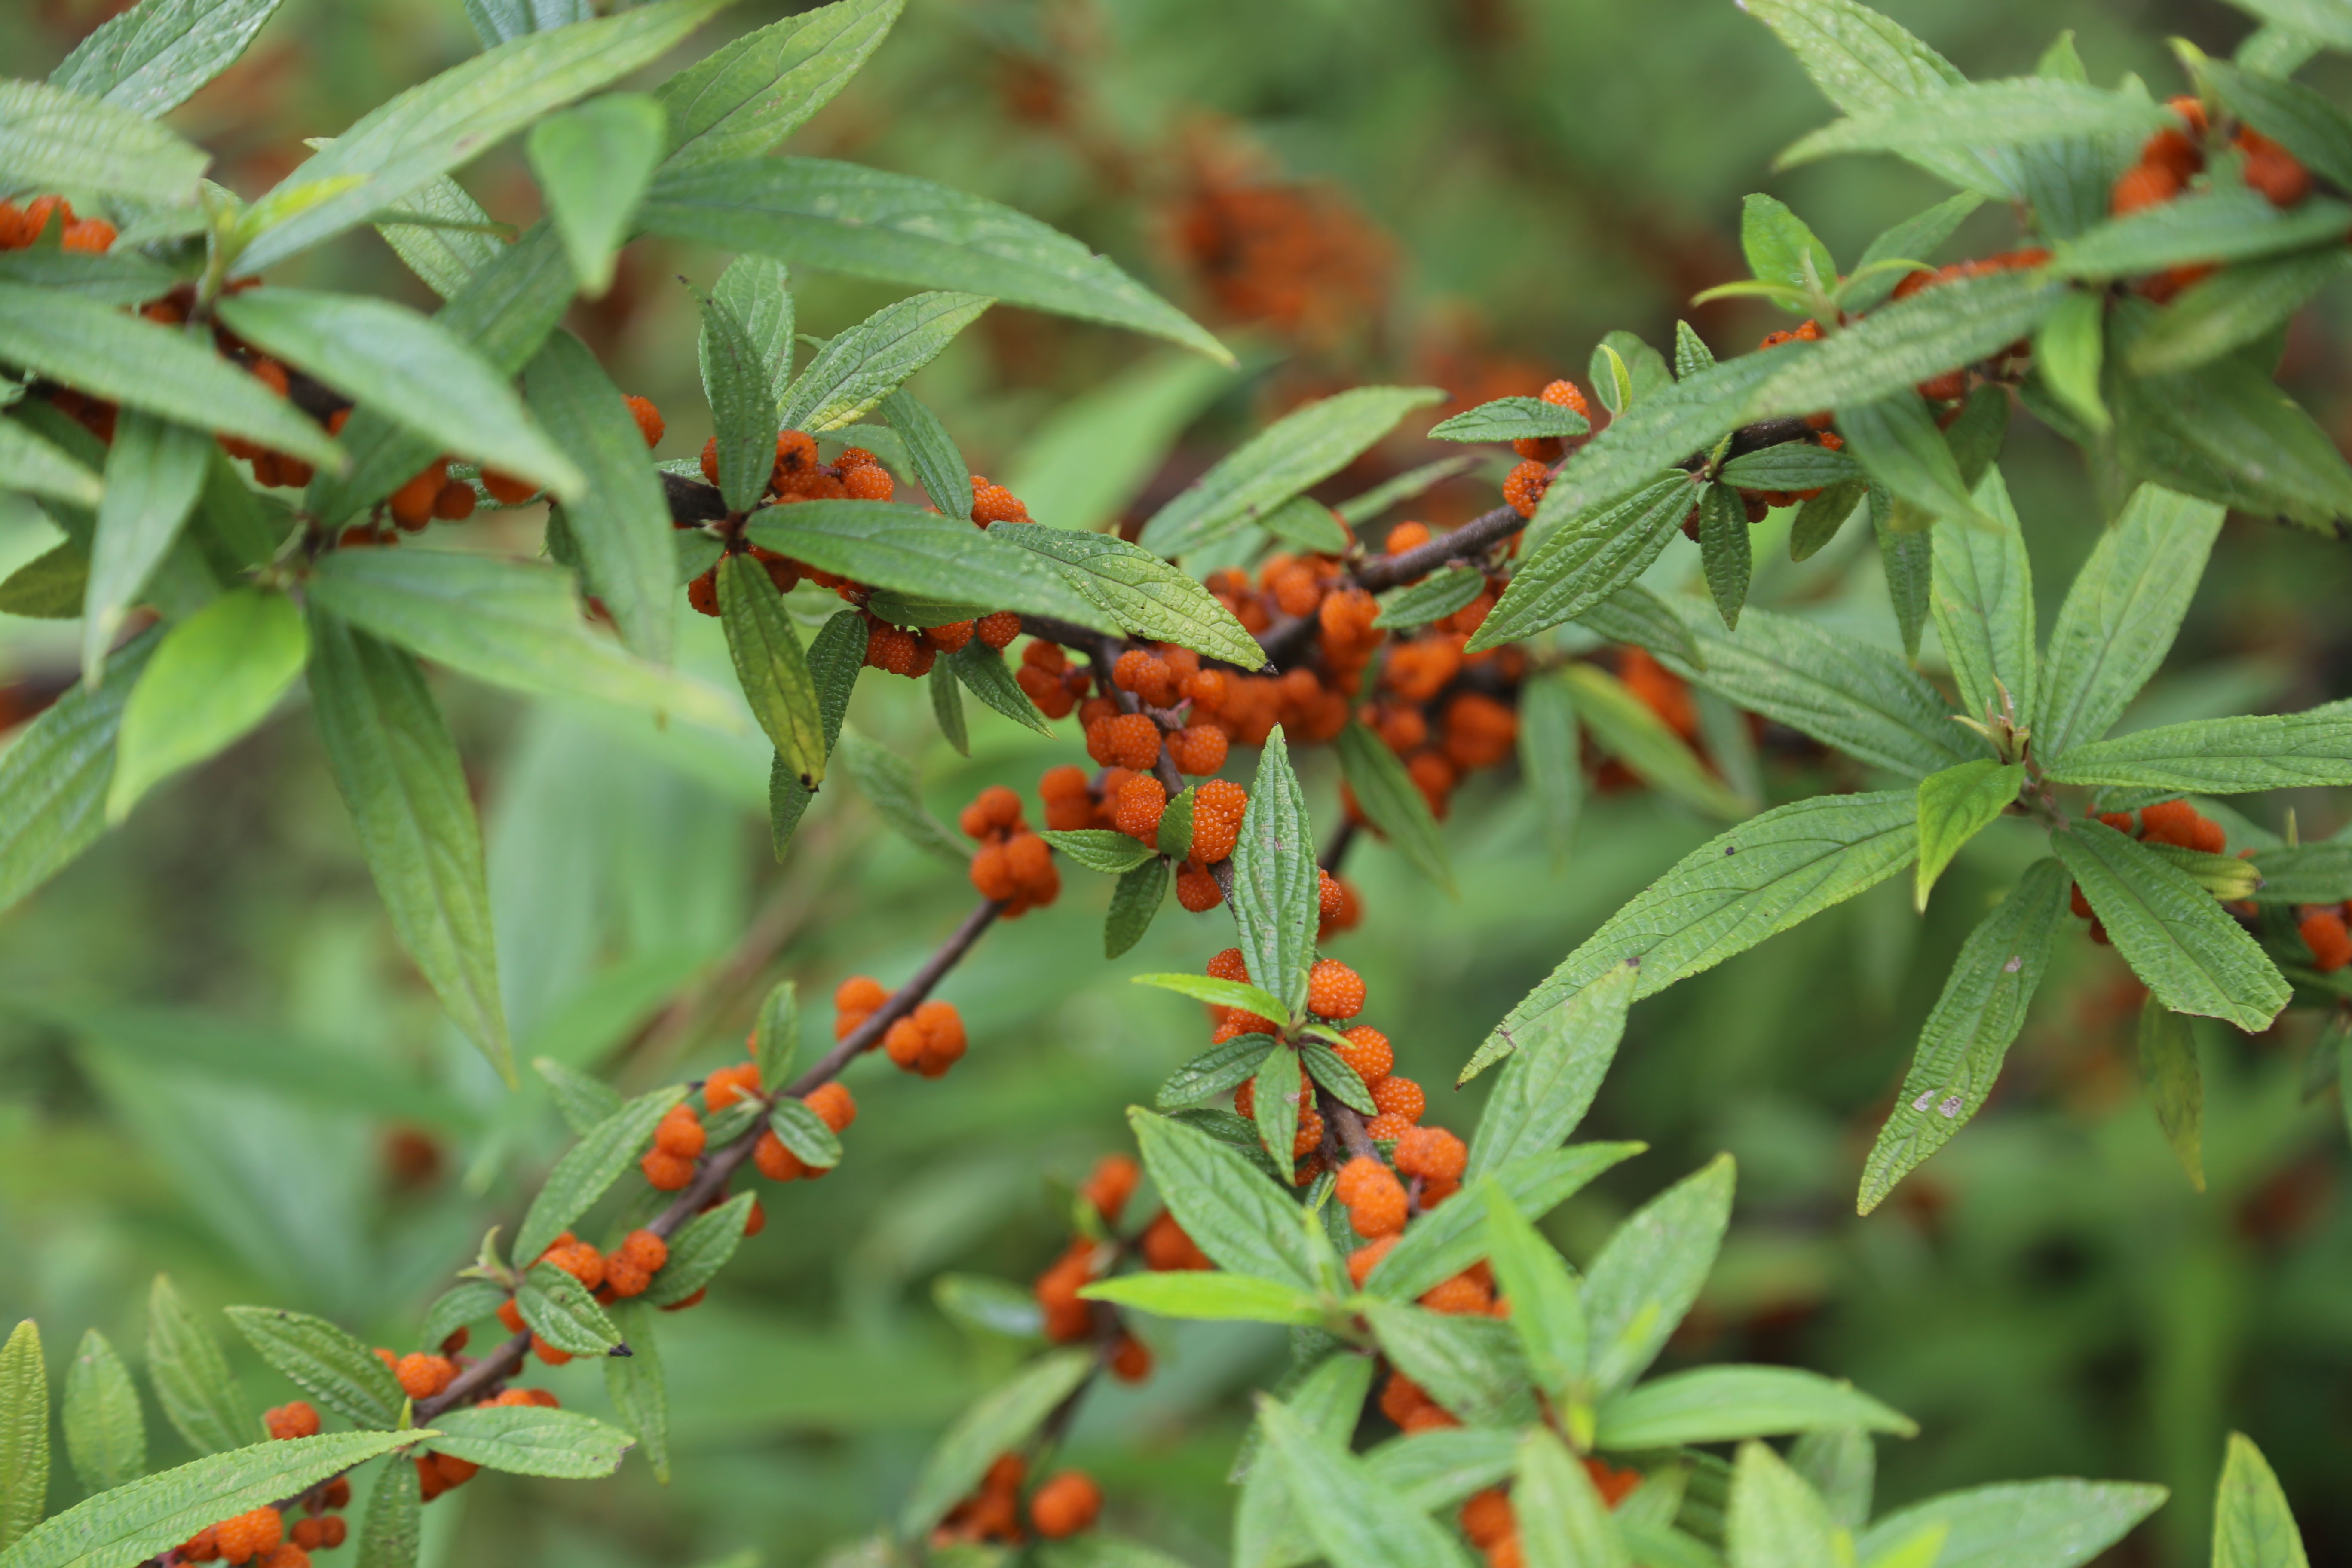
<point>214,1060</point>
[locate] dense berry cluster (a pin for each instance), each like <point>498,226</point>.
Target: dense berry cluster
<point>1067,1318</point>
<point>1013,866</point>
<point>24,227</point>
<point>1061,1506</point>
<point>2174,156</point>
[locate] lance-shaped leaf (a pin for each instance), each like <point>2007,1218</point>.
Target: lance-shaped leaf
<point>1228,1206</point>
<point>192,1382</point>
<point>157,1512</point>
<point>1969,1029</point>
<point>1141,592</point>
<point>742,100</point>
<point>1511,420</point>
<point>1101,849</point>
<point>1217,993</point>
<point>1718,1404</point>
<point>1730,893</point>
<point>1134,902</point>
<point>887,782</point>
<point>620,522</point>
<point>1902,344</point>
<point>52,139</point>
<point>214,677</point>
<point>1775,1519</point>
<point>1957,804</point>
<point>443,124</point>
<point>2223,756</point>
<point>1002,1419</point>
<point>2019,1522</point>
<point>2296,117</point>
<point>699,1249</point>
<point>332,1367</point>
<point>919,553</point>
<point>1649,1272</point>
<point>1302,448</point>
<point>1393,804</point>
<point>639,1388</point>
<point>865,223</point>
<point>24,1433</point>
<point>1789,466</point>
<point>1781,249</point>
<point>1914,239</point>
<point>1275,878</point>
<point>1546,1311</point>
<point>1212,1296</point>
<point>2234,307</point>
<point>864,364</point>
<point>1588,557</point>
<point>1432,599</point>
<point>1353,1520</point>
<point>1559,1059</point>
<point>1469,1365</point>
<point>533,1440</point>
<point>1216,1071</point>
<point>54,779</point>
<point>772,667</point>
<point>836,656</point>
<point>1629,731</point>
<point>2195,958</point>
<point>1725,557</point>
<point>2070,351</point>
<point>985,675</point>
<point>1985,114</point>
<point>559,1310</point>
<point>1895,438</point>
<point>400,776</point>
<point>1907,555</point>
<point>1274,1095</point>
<point>1984,608</point>
<point>2201,226</point>
<point>588,1168</point>
<point>151,58</point>
<point>2253,1526</point>
<point>498,20</point>
<point>392,1531</point>
<point>466,1302</point>
<point>2120,616</point>
<point>1326,1403</point>
<point>1563,1524</point>
<point>456,241</point>
<point>1552,759</point>
<point>593,164</point>
<point>35,467</point>
<point>154,472</point>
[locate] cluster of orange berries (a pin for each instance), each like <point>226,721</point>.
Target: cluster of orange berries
<point>1164,680</point>
<point>1493,1527</point>
<point>1311,703</point>
<point>910,651</point>
<point>1524,486</point>
<point>2172,822</point>
<point>431,494</point>
<point>801,475</point>
<point>927,1042</point>
<point>1064,1505</point>
<point>1068,1319</point>
<point>1014,866</point>
<point>23,228</point>
<point>2323,929</point>
<point>260,1536</point>
<point>2172,157</point>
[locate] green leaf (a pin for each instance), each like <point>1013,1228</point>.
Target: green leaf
<point>1781,249</point>
<point>510,623</point>
<point>1216,1071</point>
<point>1550,759</point>
<point>37,467</point>
<point>157,1512</point>
<point>559,1310</point>
<point>24,1433</point>
<point>1100,848</point>
<point>836,655</point>
<point>126,359</point>
<point>1511,420</point>
<point>1980,1013</point>
<point>2195,958</point>
<point>1546,1313</point>
<point>699,1250</point>
<point>2007,113</point>
<point>2251,1525</point>
<point>215,675</point>
<point>1717,1403</point>
<point>1275,898</point>
<point>758,291</point>
<point>1211,1295</point>
<point>1764,876</point>
<point>1591,555</point>
<point>1643,369</point>
<point>1351,1519</point>
<point>533,1440</point>
<point>1393,804</point>
<point>2069,353</point>
<point>1443,1243</point>
<point>2215,226</point>
<point>1789,466</point>
<point>1469,1365</point>
<point>1304,523</point>
<point>330,1365</point>
<point>939,465</point>
<point>1725,555</point>
<point>1140,592</point>
<point>400,776</point>
<point>582,1098</point>
<point>776,1036</point>
<point>994,1306</point>
<point>1302,448</point>
<point>192,1383</point>
<point>1219,993</point>
<point>456,116</point>
<point>466,1301</point>
<point>1984,609</point>
<point>865,223</point>
<point>1900,344</point>
<point>1649,1273</point>
<point>588,1168</point>
<point>2223,756</point>
<point>920,555</point>
<point>1432,599</point>
<point>863,365</point>
<point>736,378</point>
<point>1327,1068</point>
<point>496,21</point>
<point>2021,1524</point>
<point>2298,119</point>
<point>153,57</point>
<point>1558,1059</point>
<point>639,1388</point>
<point>1914,239</point>
<point>1907,555</point>
<point>1636,615</point>
<point>1895,438</point>
<point>458,243</point>
<point>55,778</point>
<point>1627,728</point>
<point>1230,1207</point>
<point>983,672</point>
<point>392,1531</point>
<point>2120,616</point>
<point>1818,520</point>
<point>887,780</point>
<point>2237,306</point>
<point>804,1132</point>
<point>52,139</point>
<point>154,473</point>
<point>1174,837</point>
<point>593,164</point>
<point>1775,1519</point>
<point>772,667</point>
<point>2306,874</point>
<point>742,100</point>
<point>1274,1095</point>
<point>2175,1090</point>
<point>1326,1402</point>
<point>1002,1419</point>
<point>1691,353</point>
<point>1562,1522</point>
<point>1840,1463</point>
<point>105,1437</point>
<point>1685,418</point>
<point>1135,901</point>
<point>621,522</point>
<point>1957,804</point>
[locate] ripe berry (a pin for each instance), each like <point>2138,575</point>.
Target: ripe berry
<point>506,490</point>
<point>2141,186</point>
<point>1462,1296</point>
<point>322,1534</point>
<point>702,594</point>
<point>1207,690</point>
<point>680,1132</point>
<point>833,1104</point>
<point>1218,806</point>
<point>777,1163</point>
<point>726,1085</point>
<point>998,630</point>
<point>1147,675</point>
<point>871,483</point>
<point>1334,990</point>
<point>1336,906</point>
<point>412,503</point>
<point>577,1258</point>
<point>994,811</point>
<point>1229,964</point>
<point>1367,1257</point>
<point>1487,1517</point>
<point>1524,487</point>
<point>951,637</point>
<point>1369,1052</point>
<point>648,419</point>
<point>2324,932</point>
<point>1198,749</point>
<point>95,236</point>
<point>1399,1097</point>
<point>895,650</point>
<point>241,1538</point>
<point>710,460</point>
<point>1432,1153</point>
<point>853,1000</point>
<point>1166,1247</point>
<point>1124,740</point>
<point>1130,1360</point>
<point>1141,802</point>
<point>1372,1196</point>
<point>1197,889</point>
<point>1112,1183</point>
<point>422,1376</point>
<point>297,1419</point>
<point>1064,1505</point>
<point>994,503</point>
<point>1246,1097</point>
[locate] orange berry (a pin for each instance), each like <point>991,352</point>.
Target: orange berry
<point>1246,1097</point>
<point>1166,1247</point>
<point>1367,1257</point>
<point>833,1104</point>
<point>1334,990</point>
<point>1464,1294</point>
<point>998,630</point>
<point>872,482</point>
<point>993,812</point>
<point>1524,488</point>
<point>1432,1153</point>
<point>1130,1362</point>
<point>853,1000</point>
<point>1229,964</point>
<point>1141,802</point>
<point>412,503</point>
<point>1198,749</point>
<point>895,650</point>
<point>648,419</point>
<point>2143,185</point>
<point>241,1538</point>
<point>726,1085</point>
<point>506,490</point>
<point>1369,1052</point>
<point>624,1278</point>
<point>1207,690</point>
<point>680,1132</point>
<point>1112,1183</point>
<point>1125,740</point>
<point>1309,1136</point>
<point>777,1163</point>
<point>297,1419</point>
<point>1405,536</point>
<point>1218,806</point>
<point>577,1258</point>
<point>702,593</point>
<point>1566,395</point>
<point>2325,934</point>
<point>510,1315</point>
<point>645,1248</point>
<point>1379,1207</point>
<point>1401,1398</point>
<point>95,236</point>
<point>422,1376</point>
<point>1147,675</point>
<point>1064,1505</point>
<point>994,503</point>
<point>1196,890</point>
<point>1399,1097</point>
<point>755,1219</point>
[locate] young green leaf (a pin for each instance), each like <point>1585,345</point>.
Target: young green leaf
<point>863,365</point>
<point>2175,1089</point>
<point>772,667</point>
<point>1775,1519</point>
<point>2223,756</point>
<point>337,1370</point>
<point>620,522</point>
<point>1968,115</point>
<point>1216,1071</point>
<point>214,677</point>
<point>510,623</point>
<point>1897,439</point>
<point>1562,1522</point>
<point>2253,1526</point>
<point>992,1306</point>
<point>1718,1404</point>
<point>1546,1313</point>
<point>637,1387</point>
<point>1511,420</point>
<point>594,164</point>
<point>1393,804</point>
<point>24,1433</point>
<point>532,1440</point>
<point>559,1310</point>
<point>865,223</point>
<point>1969,1031</point>
<point>1551,746</point>
<point>776,1036</point>
<point>192,1383</point>
<point>1228,1206</point>
<point>1957,804</point>
<point>392,1531</point>
<point>1302,448</point>
<point>804,1132</point>
<point>588,1168</point>
<point>1218,993</point>
<point>151,58</point>
<point>1139,592</point>
<point>1628,730</point>
<point>1274,898</point>
<point>1781,249</point>
<point>1984,609</point>
<point>399,775</point>
<point>1886,354</point>
<point>740,99</point>
<point>1644,370</point>
<point>106,1436</point>
<point>1649,1272</point>
<point>1589,555</point>
<point>1002,1419</point>
<point>699,1249</point>
<point>2193,957</point>
<point>1469,1365</point>
<point>1444,1242</point>
<point>1351,1519</point>
<point>1557,1060</point>
<point>2016,1522</point>
<point>836,655</point>
<point>156,1514</point>
<point>1914,239</point>
<point>35,467</point>
<point>154,472</point>
<point>1211,1296</point>
<point>1691,353</point>
<point>1730,893</point>
<point>1100,848</point>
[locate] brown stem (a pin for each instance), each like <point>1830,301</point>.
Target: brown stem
<point>1349,1125</point>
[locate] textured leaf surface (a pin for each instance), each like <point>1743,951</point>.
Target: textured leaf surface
<point>151,58</point>
<point>337,1370</point>
<point>533,1440</point>
<point>1228,1206</point>
<point>2223,756</point>
<point>214,677</point>
<point>1717,1403</point>
<point>742,100</point>
<point>1275,880</point>
<point>1649,1272</point>
<point>2195,958</point>
<point>192,1382</point>
<point>54,778</point>
<point>1143,593</point>
<point>1588,558</point>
